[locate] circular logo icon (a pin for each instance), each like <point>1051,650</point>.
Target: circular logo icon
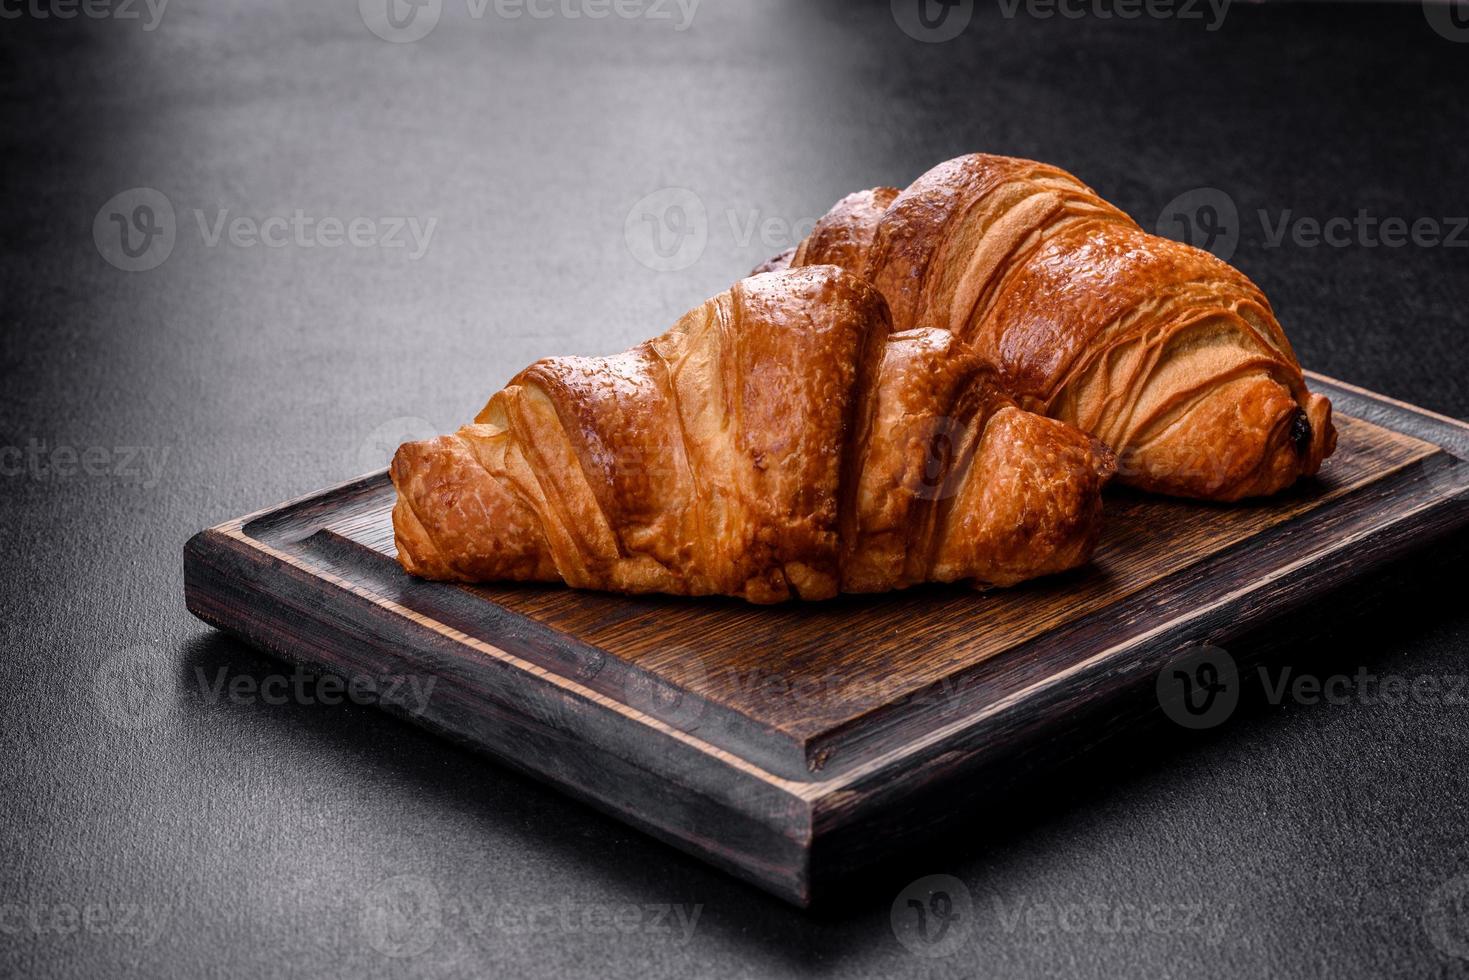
<point>1199,688</point>
<point>559,711</point>
<point>136,688</point>
<point>1205,218</point>
<point>400,21</point>
<point>376,451</point>
<point>933,916</point>
<point>932,21</point>
<point>401,916</point>
<point>667,230</point>
<point>941,440</point>
<point>1446,917</point>
<point>675,704</point>
<point>589,668</point>
<point>135,230</point>
<point>1449,18</point>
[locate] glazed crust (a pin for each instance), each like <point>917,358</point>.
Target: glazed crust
<point>1169,355</point>
<point>777,442</point>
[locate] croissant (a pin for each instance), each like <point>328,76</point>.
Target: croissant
<point>1168,355</point>
<point>779,441</point>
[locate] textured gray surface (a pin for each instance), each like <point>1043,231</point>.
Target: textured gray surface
<point>236,837</point>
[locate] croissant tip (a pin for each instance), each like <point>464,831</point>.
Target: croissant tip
<point>1318,413</point>
<point>403,465</point>
<point>398,468</point>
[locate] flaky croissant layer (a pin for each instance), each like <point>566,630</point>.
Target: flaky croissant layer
<point>1167,354</point>
<point>779,441</point>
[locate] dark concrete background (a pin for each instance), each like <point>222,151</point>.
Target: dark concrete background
<point>196,836</point>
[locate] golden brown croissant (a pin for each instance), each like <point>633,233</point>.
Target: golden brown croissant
<point>1167,354</point>
<point>776,442</point>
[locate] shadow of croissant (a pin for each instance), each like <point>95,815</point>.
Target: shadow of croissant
<point>993,847</point>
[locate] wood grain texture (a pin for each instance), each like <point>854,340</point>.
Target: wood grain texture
<point>794,745</point>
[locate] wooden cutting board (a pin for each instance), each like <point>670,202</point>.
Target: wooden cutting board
<point>794,745</point>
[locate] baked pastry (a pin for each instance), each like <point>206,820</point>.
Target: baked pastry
<point>777,442</point>
<point>1165,353</point>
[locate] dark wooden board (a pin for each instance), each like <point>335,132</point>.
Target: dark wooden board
<point>794,745</point>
